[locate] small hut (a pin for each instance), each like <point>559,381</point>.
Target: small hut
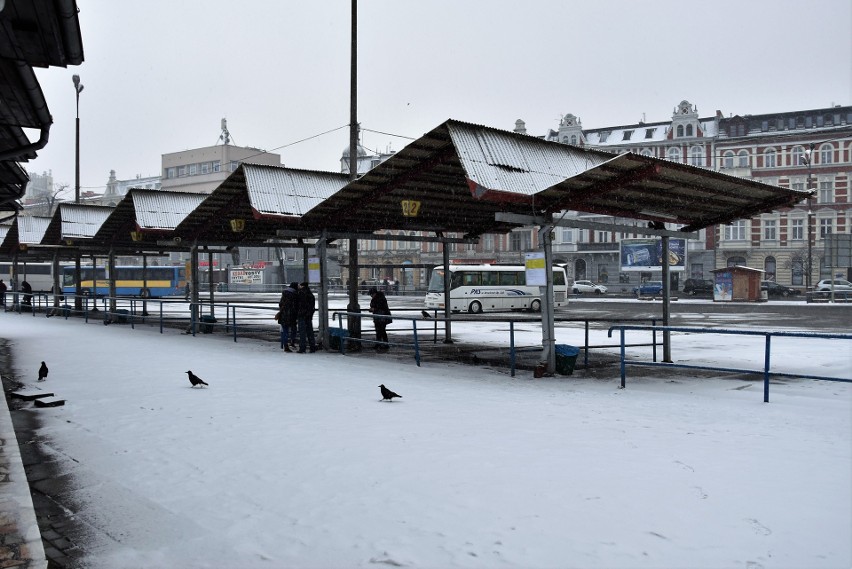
<point>738,284</point>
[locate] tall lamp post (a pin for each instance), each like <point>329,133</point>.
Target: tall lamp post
<point>78,300</point>
<point>809,159</point>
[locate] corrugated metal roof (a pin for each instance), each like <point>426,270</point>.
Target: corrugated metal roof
<point>31,229</point>
<point>81,221</point>
<point>501,161</point>
<point>281,191</point>
<point>160,210</point>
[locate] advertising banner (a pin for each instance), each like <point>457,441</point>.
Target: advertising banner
<point>247,276</point>
<point>647,254</point>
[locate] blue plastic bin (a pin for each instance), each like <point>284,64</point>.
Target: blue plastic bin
<point>566,357</point>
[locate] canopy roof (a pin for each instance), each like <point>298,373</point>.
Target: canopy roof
<point>265,198</point>
<point>462,174</point>
<point>453,179</point>
<point>37,33</point>
<point>146,215</point>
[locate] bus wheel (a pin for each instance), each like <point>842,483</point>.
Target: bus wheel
<point>535,306</point>
<point>475,307</point>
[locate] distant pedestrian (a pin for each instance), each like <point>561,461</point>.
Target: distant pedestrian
<point>379,306</point>
<point>27,289</point>
<point>3,289</point>
<point>287,315</point>
<point>306,308</point>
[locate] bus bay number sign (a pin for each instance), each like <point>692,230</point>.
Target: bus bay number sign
<point>410,208</point>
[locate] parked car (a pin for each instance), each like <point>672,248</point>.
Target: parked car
<point>650,287</point>
<point>774,289</point>
<point>698,286</point>
<point>580,287</point>
<point>839,285</point>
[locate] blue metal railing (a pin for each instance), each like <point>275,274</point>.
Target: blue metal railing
<point>766,356</point>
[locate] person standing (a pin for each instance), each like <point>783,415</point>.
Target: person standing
<point>2,293</point>
<point>379,306</point>
<point>287,316</point>
<point>305,312</point>
<point>28,293</point>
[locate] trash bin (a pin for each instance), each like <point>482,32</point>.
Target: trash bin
<point>337,338</point>
<point>207,322</point>
<point>566,357</point>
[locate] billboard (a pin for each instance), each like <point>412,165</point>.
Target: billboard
<point>646,254</point>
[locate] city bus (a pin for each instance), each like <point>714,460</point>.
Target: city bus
<point>476,288</point>
<point>159,281</point>
<point>39,275</point>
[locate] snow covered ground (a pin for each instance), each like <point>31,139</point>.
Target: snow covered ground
<point>290,460</point>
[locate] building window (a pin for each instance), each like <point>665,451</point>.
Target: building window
<point>566,235</point>
<point>769,265</point>
<point>769,158</point>
<point>826,154</point>
<point>234,165</point>
<point>520,241</point>
<point>181,171</point>
<point>736,231</point>
<point>574,139</point>
<point>604,136</point>
<point>488,242</point>
<point>728,160</point>
<point>826,227</point>
<point>679,130</point>
<point>217,165</point>
<point>689,130</point>
<point>798,272</point>
<point>797,229</point>
<point>696,156</point>
<point>603,237</point>
<point>826,192</point>
<point>205,168</point>
<point>736,261</point>
<point>627,134</point>
<point>647,152</point>
<point>673,154</point>
<point>696,270</point>
<point>171,173</point>
<point>796,155</point>
<point>770,230</point>
<point>193,169</point>
<point>649,132</point>
<point>742,159</point>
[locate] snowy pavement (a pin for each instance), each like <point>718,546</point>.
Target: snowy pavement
<point>290,460</point>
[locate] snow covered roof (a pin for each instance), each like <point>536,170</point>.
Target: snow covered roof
<point>75,221</point>
<point>266,198</point>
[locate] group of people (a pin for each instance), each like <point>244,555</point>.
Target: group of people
<point>26,289</point>
<point>296,317</point>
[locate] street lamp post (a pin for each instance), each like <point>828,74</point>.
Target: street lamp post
<point>78,299</point>
<point>809,159</point>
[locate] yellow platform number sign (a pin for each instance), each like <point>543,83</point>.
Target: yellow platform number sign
<point>410,208</point>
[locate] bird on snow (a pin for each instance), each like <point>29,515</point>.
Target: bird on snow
<point>42,372</point>
<point>388,394</point>
<point>425,314</point>
<point>195,380</point>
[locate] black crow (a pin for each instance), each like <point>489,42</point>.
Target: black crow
<point>195,380</point>
<point>425,314</point>
<point>42,372</point>
<point>387,393</point>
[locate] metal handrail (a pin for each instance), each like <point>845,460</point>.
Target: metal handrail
<point>766,356</point>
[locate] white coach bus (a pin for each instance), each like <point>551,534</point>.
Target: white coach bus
<point>475,288</point>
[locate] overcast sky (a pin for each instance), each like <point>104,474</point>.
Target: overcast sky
<point>159,75</point>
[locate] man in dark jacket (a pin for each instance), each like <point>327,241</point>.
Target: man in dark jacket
<point>379,306</point>
<point>287,316</point>
<point>305,312</point>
